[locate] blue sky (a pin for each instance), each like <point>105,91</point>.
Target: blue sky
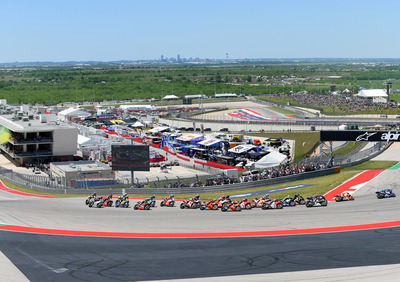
<point>100,30</point>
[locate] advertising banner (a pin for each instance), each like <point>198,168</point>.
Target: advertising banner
<point>360,135</point>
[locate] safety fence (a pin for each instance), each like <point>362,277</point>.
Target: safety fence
<point>164,188</point>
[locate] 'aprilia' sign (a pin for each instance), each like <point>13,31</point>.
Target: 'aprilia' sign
<point>360,135</point>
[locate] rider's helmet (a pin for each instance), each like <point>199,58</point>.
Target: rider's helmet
<point>245,200</point>
<point>297,194</point>
<point>227,196</point>
<point>94,194</point>
<point>125,195</point>
<point>172,195</point>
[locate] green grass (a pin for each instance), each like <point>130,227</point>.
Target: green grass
<point>369,165</point>
<point>283,111</point>
<point>348,148</point>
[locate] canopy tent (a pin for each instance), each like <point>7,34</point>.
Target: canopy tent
<point>210,143</point>
<point>159,129</point>
<point>138,124</point>
<point>170,97</point>
<point>257,155</point>
<point>241,149</point>
<point>372,93</point>
<point>272,159</point>
<point>84,141</point>
<point>189,137</point>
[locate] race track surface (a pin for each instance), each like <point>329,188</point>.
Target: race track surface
<point>73,214</point>
<point>364,243</point>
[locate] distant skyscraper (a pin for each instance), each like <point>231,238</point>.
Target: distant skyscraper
<point>178,58</point>
<point>162,58</point>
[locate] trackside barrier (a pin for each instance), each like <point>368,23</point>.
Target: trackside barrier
<point>13,177</point>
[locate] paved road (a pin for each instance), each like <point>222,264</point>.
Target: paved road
<point>326,257</point>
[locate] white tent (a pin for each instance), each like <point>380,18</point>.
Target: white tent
<point>170,97</point>
<point>272,159</point>
<point>84,141</point>
<point>138,124</point>
<point>372,93</point>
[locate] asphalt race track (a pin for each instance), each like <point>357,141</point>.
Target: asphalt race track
<point>357,240</point>
<point>65,258</point>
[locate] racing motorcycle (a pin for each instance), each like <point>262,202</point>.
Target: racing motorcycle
<point>245,204</point>
<point>273,204</point>
<point>108,201</point>
<point>317,201</point>
<point>299,200</point>
<point>344,197</point>
<point>142,205</point>
<point>288,202</point>
<point>168,202</point>
<point>257,203</point>
<point>190,204</point>
<point>385,193</point>
<point>235,206</point>
<point>90,198</point>
<point>122,201</point>
<point>210,205</point>
<point>225,202</point>
<point>97,202</point>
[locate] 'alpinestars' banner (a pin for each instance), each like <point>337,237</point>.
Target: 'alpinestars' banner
<point>360,135</point>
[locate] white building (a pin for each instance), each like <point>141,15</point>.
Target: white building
<point>30,138</point>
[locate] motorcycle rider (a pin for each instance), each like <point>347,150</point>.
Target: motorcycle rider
<point>266,197</point>
<point>147,200</point>
<point>297,197</point>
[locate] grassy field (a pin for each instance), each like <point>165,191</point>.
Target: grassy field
<point>283,111</point>
<point>320,185</point>
<point>311,139</point>
<point>348,148</point>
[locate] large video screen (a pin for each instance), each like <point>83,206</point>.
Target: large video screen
<point>130,157</point>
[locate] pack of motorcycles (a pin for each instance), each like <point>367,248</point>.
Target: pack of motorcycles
<point>225,204</point>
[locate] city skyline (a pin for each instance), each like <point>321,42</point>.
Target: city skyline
<point>48,31</point>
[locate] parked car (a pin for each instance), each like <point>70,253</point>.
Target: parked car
<point>224,129</point>
<point>36,170</point>
<point>207,129</point>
